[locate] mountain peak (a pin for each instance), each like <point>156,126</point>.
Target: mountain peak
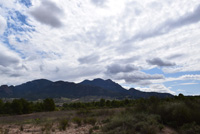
<point>109,80</point>
<point>106,84</point>
<point>40,80</point>
<point>98,79</point>
<point>4,86</point>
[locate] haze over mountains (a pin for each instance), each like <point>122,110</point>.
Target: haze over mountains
<point>42,88</point>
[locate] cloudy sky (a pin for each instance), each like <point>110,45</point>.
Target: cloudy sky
<point>151,45</point>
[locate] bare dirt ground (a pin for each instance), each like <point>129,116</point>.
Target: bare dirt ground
<point>48,122</point>
<point>40,115</point>
<point>32,129</point>
<point>168,130</point>
<point>36,123</point>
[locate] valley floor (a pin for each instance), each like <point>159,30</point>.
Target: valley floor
<point>178,115</point>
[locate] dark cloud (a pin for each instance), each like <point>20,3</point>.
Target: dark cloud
<point>93,58</point>
<point>4,70</point>
<point>175,56</point>
<point>168,25</point>
<point>116,68</point>
<point>139,78</point>
<point>98,2</point>
<point>159,62</point>
<point>187,19</point>
<point>48,13</point>
<point>15,75</point>
<point>41,68</point>
<point>7,71</point>
<point>144,83</point>
<point>128,60</point>
<point>6,60</point>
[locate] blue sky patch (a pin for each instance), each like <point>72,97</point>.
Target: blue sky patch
<point>153,71</point>
<point>27,3</point>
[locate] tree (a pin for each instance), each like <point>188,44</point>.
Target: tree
<point>181,96</point>
<point>7,108</point>
<point>102,103</point>
<point>1,106</point>
<point>27,108</point>
<point>17,107</point>
<point>38,107</point>
<point>49,104</point>
<point>108,103</point>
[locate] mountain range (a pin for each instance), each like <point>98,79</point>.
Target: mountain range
<point>42,88</point>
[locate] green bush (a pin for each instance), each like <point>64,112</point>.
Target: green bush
<point>175,114</point>
<point>190,128</point>
<point>63,124</point>
<point>37,121</point>
<point>90,120</point>
<point>77,120</point>
<point>129,123</point>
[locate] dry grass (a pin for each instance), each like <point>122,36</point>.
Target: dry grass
<point>49,122</point>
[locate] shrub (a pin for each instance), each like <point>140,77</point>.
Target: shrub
<point>77,120</point>
<point>190,128</point>
<point>63,124</point>
<point>47,127</point>
<point>96,128</point>
<point>175,114</point>
<point>37,121</point>
<point>91,130</point>
<point>105,120</point>
<point>21,128</point>
<point>91,121</point>
<point>129,123</point>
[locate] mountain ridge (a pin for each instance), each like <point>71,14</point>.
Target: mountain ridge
<point>43,88</point>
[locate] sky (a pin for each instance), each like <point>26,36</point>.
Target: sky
<point>150,45</point>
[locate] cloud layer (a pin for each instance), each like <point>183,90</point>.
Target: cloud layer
<point>148,44</point>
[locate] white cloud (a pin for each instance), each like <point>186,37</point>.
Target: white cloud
<point>188,83</point>
<point>156,88</point>
<point>184,77</point>
<point>3,25</point>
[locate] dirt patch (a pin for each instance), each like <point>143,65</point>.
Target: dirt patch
<point>30,129</point>
<point>167,130</point>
